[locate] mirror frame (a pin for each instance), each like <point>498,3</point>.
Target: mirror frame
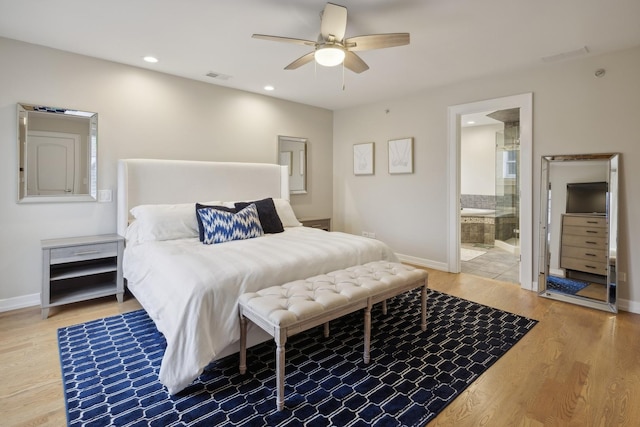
<point>297,163</point>
<point>24,113</point>
<point>613,162</point>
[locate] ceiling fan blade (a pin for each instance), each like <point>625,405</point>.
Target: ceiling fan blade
<point>333,22</point>
<point>376,41</point>
<point>304,59</point>
<point>355,63</point>
<point>284,39</point>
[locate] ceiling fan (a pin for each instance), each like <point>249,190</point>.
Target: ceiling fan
<point>332,48</point>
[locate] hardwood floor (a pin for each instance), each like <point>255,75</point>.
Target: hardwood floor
<point>577,367</point>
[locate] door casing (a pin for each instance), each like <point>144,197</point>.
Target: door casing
<point>525,103</point>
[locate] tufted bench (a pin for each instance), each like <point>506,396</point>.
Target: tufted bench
<point>288,309</point>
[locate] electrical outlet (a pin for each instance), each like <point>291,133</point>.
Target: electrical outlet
<point>369,234</point>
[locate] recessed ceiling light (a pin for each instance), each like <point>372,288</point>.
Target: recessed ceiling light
<point>471,122</point>
<point>150,59</point>
<point>269,87</point>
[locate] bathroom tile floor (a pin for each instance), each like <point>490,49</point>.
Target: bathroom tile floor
<point>496,263</point>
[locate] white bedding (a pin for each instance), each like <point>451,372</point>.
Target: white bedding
<point>191,289</point>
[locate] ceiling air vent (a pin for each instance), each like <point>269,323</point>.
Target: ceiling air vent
<point>218,76</point>
<point>566,55</point>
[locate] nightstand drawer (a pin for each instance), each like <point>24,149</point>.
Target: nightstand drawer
<point>84,252</point>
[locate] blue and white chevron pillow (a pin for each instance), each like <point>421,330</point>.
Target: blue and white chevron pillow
<point>222,226</point>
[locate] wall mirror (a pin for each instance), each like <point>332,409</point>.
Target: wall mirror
<point>292,152</point>
<point>579,229</point>
<point>57,154</point>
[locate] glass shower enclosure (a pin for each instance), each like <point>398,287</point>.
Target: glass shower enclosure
<point>507,187</point>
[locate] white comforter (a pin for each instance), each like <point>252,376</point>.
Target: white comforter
<point>191,290</point>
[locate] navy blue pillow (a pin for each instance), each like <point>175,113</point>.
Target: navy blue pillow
<point>267,213</point>
<point>200,225</point>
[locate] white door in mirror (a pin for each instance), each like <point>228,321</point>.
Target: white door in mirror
<point>55,174</point>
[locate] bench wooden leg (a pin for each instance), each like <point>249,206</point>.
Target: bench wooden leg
<point>367,333</point>
<point>243,344</point>
<point>384,307</point>
<point>280,339</point>
<point>326,330</point>
<point>423,301</point>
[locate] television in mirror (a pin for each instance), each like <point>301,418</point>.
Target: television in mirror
<point>587,197</point>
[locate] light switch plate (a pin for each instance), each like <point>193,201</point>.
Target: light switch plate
<point>104,196</point>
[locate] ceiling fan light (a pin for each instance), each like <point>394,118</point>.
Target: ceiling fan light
<point>329,56</point>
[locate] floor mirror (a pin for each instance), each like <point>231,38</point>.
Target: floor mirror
<point>579,229</point>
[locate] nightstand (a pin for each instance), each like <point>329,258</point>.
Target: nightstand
<point>322,223</point>
<point>81,268</point>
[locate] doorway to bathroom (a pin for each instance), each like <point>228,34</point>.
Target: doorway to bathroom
<point>489,194</point>
<point>494,185</point>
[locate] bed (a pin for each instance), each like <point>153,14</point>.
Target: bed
<point>190,289</point>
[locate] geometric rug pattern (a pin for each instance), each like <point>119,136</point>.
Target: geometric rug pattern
<point>110,370</point>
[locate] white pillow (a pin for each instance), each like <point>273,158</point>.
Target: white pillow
<point>164,222</point>
<point>286,214</point>
<point>133,234</point>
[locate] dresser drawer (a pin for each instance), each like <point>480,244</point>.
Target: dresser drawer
<point>84,252</point>
<point>586,254</point>
<point>570,230</point>
<point>582,265</point>
<point>585,221</point>
<point>585,244</point>
<point>585,241</point>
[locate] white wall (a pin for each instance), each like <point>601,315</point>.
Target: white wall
<point>573,112</point>
<point>478,159</point>
<point>142,114</point>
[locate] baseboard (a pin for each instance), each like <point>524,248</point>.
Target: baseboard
<point>19,302</point>
<point>33,300</point>
<point>629,306</point>
<point>422,262</point>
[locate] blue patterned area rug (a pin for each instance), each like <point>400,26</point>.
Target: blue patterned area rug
<point>564,285</point>
<point>110,370</point>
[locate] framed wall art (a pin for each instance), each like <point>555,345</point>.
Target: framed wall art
<point>363,158</point>
<point>401,155</point>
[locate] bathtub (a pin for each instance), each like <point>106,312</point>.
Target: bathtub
<point>477,225</point>
<point>477,212</point>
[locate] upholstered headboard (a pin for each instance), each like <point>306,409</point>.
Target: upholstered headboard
<point>148,181</point>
